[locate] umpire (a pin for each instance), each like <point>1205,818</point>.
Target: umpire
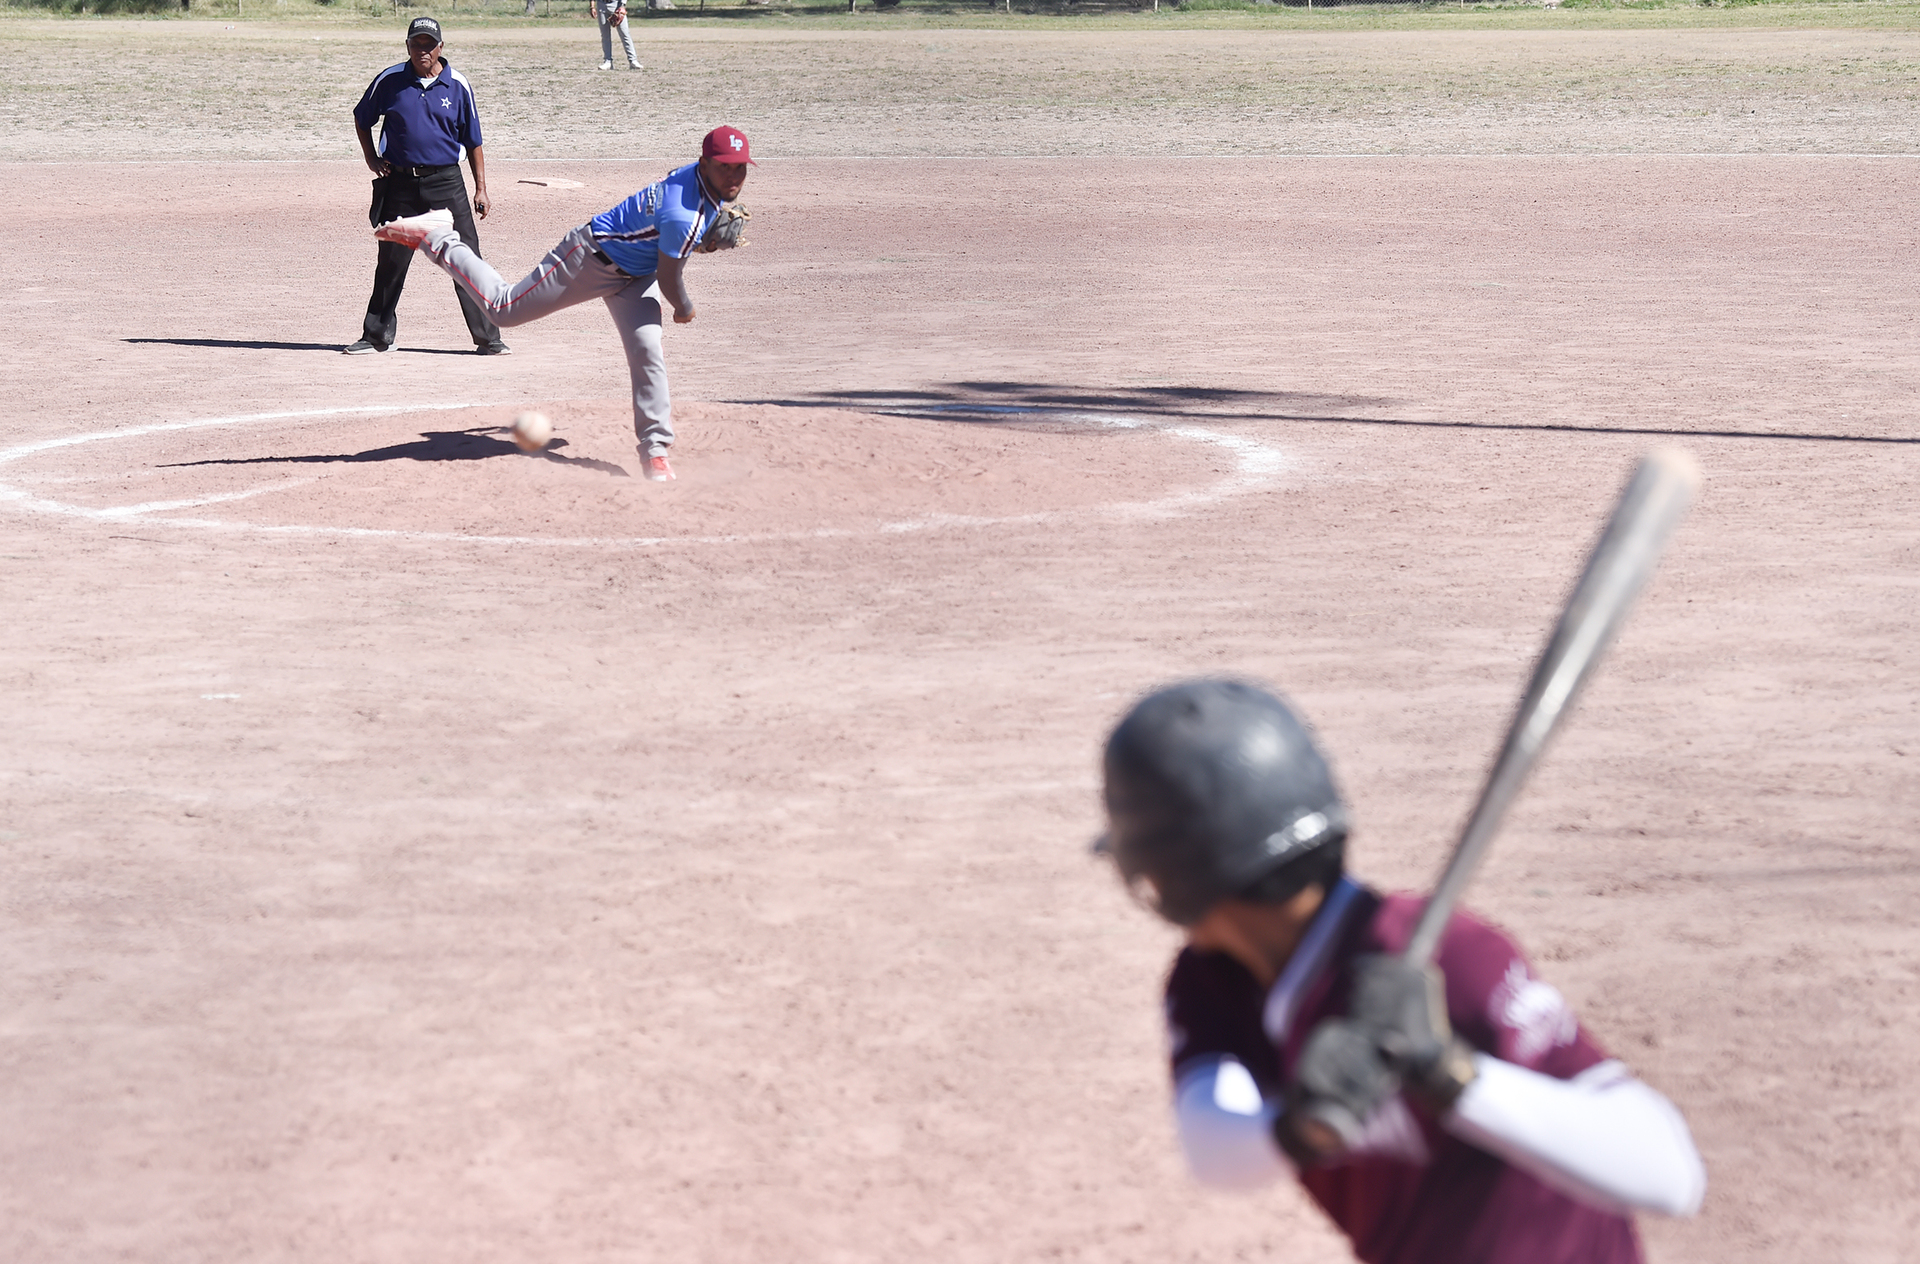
<point>427,116</point>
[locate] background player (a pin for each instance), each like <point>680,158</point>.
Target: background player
<point>429,116</point>
<point>629,257</point>
<point>1493,1129</point>
<point>612,16</point>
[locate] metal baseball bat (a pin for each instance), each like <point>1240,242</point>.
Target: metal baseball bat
<point>1655,499</point>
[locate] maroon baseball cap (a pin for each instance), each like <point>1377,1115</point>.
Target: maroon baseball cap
<point>726,144</point>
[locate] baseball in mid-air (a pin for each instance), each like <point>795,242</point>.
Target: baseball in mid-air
<point>531,431</point>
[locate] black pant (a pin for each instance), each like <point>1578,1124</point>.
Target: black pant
<point>393,197</point>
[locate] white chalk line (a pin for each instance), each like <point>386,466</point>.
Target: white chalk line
<point>1256,465</point>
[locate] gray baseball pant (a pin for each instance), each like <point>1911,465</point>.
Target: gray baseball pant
<point>571,274</point>
<point>604,10</point>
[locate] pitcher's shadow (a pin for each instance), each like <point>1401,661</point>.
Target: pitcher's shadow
<point>478,444</point>
<point>254,344</point>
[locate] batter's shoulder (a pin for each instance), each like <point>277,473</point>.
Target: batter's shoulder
<point>1467,936</point>
<point>1494,997</point>
<point>1213,977</point>
<point>1214,1006</point>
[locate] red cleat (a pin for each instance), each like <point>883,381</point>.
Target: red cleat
<point>658,470</point>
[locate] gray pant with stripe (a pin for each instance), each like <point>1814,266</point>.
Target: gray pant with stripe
<point>604,10</point>
<point>571,274</point>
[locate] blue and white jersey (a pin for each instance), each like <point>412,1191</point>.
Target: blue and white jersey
<point>671,215</point>
<point>430,126</point>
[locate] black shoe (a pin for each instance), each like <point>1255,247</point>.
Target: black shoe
<point>363,347</point>
<point>493,348</point>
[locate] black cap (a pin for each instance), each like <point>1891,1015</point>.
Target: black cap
<point>425,26</point>
<point>1213,789</point>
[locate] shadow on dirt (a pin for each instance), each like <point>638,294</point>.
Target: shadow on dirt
<point>248,344</point>
<point>1051,405</point>
<point>1012,397</point>
<point>1054,407</point>
<point>479,444</point>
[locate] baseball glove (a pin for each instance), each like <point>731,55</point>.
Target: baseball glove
<point>729,230</point>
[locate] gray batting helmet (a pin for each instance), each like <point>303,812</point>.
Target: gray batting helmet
<point>1214,789</point>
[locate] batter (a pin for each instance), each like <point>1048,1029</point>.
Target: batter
<point>1494,1128</point>
<point>629,257</point>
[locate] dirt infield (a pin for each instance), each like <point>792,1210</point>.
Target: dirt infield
<point>422,851</point>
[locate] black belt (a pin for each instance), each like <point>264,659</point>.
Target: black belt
<point>601,255</point>
<point>417,172</point>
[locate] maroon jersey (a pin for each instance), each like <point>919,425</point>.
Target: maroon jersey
<point>1410,1193</point>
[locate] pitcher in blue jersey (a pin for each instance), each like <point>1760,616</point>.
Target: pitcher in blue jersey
<point>630,257</point>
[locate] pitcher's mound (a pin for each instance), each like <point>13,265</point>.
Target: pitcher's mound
<point>744,470</point>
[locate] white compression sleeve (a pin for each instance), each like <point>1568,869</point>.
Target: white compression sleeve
<point>1602,1137</point>
<point>1226,1130</point>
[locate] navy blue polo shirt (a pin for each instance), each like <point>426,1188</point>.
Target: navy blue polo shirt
<point>425,127</point>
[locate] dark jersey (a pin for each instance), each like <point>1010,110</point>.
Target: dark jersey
<point>1410,1193</point>
<point>430,126</point>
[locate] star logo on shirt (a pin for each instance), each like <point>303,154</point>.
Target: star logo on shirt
<point>446,103</point>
